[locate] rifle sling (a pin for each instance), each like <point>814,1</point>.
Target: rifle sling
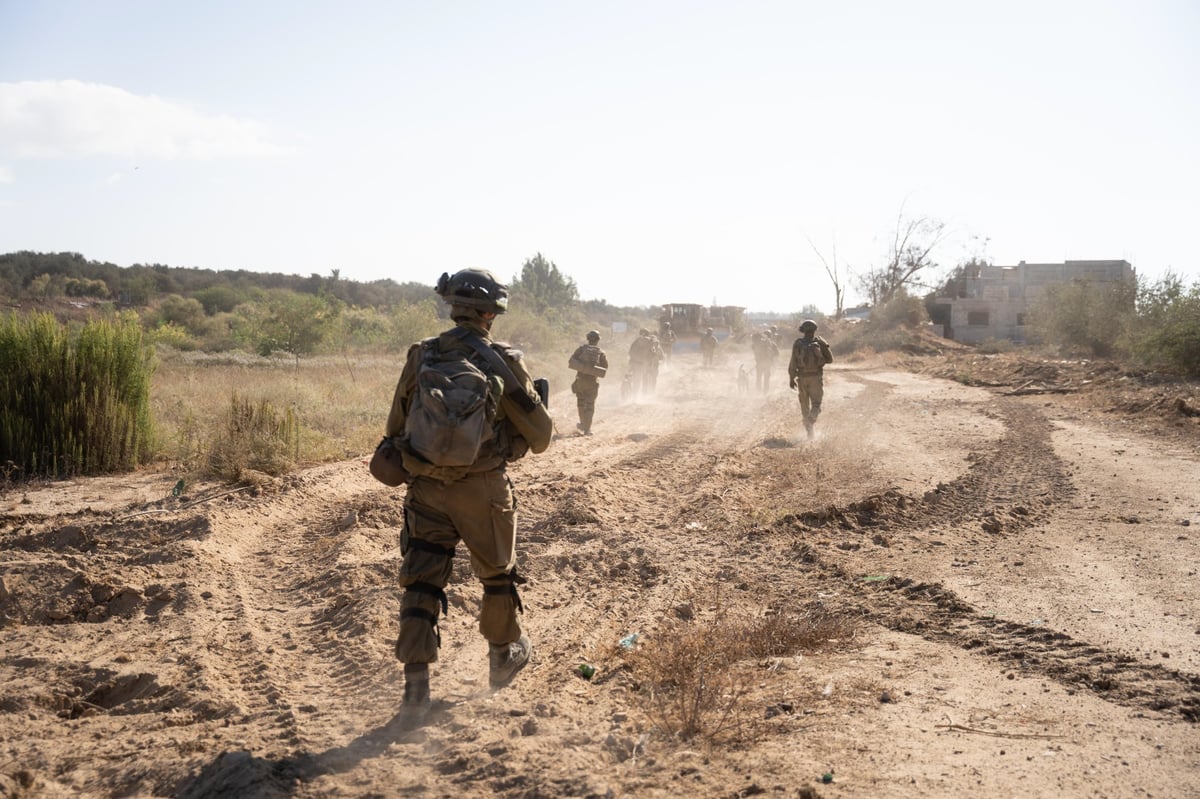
<point>512,387</point>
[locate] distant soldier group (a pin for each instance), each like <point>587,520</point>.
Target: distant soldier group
<point>809,355</point>
<point>645,356</point>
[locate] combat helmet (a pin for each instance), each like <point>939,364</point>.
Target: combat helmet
<point>808,326</point>
<point>593,336</point>
<point>474,288</point>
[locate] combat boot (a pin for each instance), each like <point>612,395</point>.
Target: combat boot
<point>414,709</point>
<point>808,428</point>
<point>505,660</point>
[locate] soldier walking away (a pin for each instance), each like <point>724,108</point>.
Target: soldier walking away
<point>471,499</point>
<point>590,364</point>
<point>810,353</point>
<point>667,338</point>
<point>708,347</point>
<point>644,355</point>
<point>765,351</point>
<point>656,359</point>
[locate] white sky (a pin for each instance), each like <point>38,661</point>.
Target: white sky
<point>655,151</point>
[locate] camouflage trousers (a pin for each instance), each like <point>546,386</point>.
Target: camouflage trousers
<point>811,391</point>
<point>640,378</point>
<point>586,389</point>
<point>762,376</point>
<point>480,511</point>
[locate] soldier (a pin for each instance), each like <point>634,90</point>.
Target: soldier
<point>667,338</point>
<point>477,507</point>
<point>590,364</point>
<point>708,347</point>
<point>656,359</point>
<point>644,353</point>
<point>765,351</point>
<point>810,353</point>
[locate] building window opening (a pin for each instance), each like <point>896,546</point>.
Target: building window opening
<point>977,318</point>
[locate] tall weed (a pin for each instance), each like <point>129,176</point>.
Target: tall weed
<point>74,400</point>
<point>256,436</point>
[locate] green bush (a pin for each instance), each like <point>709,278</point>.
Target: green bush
<point>172,335</point>
<point>1084,317</point>
<point>74,401</point>
<point>1165,334</point>
<point>893,326</point>
<point>409,323</point>
<point>902,311</point>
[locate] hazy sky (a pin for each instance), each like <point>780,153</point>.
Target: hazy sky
<point>655,151</point>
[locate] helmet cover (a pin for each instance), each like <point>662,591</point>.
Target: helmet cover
<point>474,288</point>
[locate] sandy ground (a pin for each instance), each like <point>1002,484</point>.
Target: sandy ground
<point>1021,572</point>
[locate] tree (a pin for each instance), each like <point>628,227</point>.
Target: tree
<point>839,285</point>
<point>186,312</point>
<point>541,286</point>
<point>1165,332</point>
<point>219,299</point>
<point>1083,315</point>
<point>291,322</point>
<point>911,255</point>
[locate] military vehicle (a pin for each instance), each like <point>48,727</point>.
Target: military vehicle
<point>689,321</point>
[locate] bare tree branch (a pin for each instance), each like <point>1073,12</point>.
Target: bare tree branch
<point>839,288</point>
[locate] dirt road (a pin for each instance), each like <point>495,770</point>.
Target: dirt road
<point>1021,580</point>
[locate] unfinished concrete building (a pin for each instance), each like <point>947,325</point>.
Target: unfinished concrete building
<point>993,302</point>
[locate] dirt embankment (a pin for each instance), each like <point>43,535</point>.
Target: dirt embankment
<point>1019,569</point>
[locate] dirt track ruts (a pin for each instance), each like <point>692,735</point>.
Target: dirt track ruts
<point>244,645</point>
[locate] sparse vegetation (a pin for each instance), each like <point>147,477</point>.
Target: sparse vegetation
<point>693,676</point>
<point>1083,317</point>
<point>255,435</point>
<point>1165,334</point>
<point>214,330</point>
<point>1155,325</point>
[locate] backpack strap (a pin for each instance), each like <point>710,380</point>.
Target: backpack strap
<point>512,386</point>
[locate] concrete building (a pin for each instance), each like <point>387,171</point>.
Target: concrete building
<point>993,302</point>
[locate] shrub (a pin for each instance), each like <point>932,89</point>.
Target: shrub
<point>74,401</point>
<point>993,346</point>
<point>172,335</point>
<point>1082,316</point>
<point>1166,331</point>
<point>688,672</point>
<point>409,323</point>
<point>254,435</point>
<point>902,311</point>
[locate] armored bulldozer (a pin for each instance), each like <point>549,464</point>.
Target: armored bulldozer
<point>689,321</point>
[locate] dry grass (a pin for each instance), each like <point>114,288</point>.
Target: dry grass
<point>339,404</point>
<point>696,675</point>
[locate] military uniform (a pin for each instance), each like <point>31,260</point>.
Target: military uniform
<point>477,508</point>
<point>765,352</point>
<point>810,353</point>
<point>590,364</point>
<point>667,338</point>
<point>644,357</point>
<point>708,347</point>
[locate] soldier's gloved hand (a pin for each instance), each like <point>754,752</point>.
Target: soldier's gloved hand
<point>792,383</point>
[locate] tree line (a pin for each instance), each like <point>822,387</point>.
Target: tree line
<point>269,313</point>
